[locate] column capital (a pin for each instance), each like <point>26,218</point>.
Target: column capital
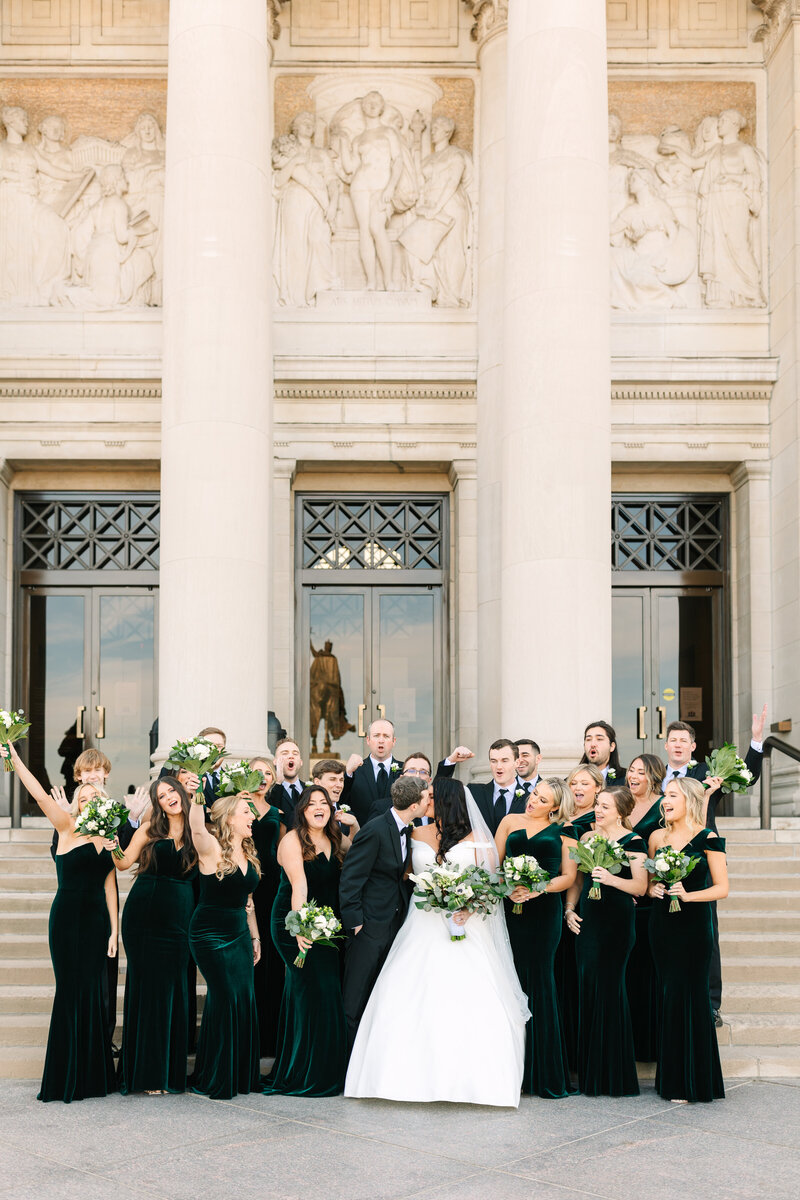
<point>461,469</point>
<point>751,471</point>
<point>273,12</point>
<point>777,16</point>
<point>491,17</point>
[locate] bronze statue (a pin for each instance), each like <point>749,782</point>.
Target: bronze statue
<point>327,698</point>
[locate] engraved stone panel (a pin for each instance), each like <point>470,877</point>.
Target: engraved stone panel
<point>630,22</point>
<point>41,22</point>
<point>708,23</point>
<point>130,22</point>
<point>419,23</point>
<point>329,22</point>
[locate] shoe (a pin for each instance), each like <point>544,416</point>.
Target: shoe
<point>717,1018</point>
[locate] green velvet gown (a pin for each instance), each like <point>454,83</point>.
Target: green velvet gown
<point>534,935</point>
<point>227,1061</point>
<point>566,967</point>
<point>606,1059</point>
<point>312,1037</point>
<point>641,973</point>
<point>78,1063</point>
<point>155,933</point>
<point>688,1065</point>
<point>269,972</point>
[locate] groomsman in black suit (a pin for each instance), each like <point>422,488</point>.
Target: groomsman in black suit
<point>506,793</point>
<point>600,749</point>
<point>369,782</point>
<point>419,764</point>
<point>528,758</point>
<point>284,794</point>
<point>373,894</point>
<point>680,747</point>
<point>218,738</point>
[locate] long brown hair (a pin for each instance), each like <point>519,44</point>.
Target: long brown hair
<point>332,830</point>
<point>159,828</point>
<point>221,812</point>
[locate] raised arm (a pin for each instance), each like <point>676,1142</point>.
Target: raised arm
<point>61,821</point>
<point>134,849</point>
<point>112,904</point>
<point>205,843</point>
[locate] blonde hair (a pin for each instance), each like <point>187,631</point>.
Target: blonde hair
<point>221,812</point>
<point>268,763</point>
<point>566,809</point>
<point>561,794</point>
<point>74,808</point>
<point>90,760</point>
<point>693,792</point>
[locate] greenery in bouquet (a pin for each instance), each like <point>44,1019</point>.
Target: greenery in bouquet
<point>670,866</point>
<point>238,776</point>
<point>598,851</point>
<point>197,755</point>
<point>13,728</point>
<point>102,817</point>
<point>317,922</point>
<point>449,889</point>
<point>725,764</point>
<point>523,870</point>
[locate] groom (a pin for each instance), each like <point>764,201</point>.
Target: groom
<point>373,894</point>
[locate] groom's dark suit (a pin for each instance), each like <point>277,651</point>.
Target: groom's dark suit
<point>483,795</point>
<point>374,895</point>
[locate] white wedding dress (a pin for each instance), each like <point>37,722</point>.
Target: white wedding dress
<point>436,1001</point>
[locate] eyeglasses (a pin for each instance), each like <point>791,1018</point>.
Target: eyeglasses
<point>413,771</point>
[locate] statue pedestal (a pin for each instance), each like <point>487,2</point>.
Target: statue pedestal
<point>363,303</point>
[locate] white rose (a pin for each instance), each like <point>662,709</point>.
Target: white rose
<point>320,923</point>
<point>661,864</point>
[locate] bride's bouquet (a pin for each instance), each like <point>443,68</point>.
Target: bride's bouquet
<point>523,870</point>
<point>598,851</point>
<point>449,889</point>
<point>236,777</point>
<point>671,866</point>
<point>13,728</point>
<point>727,766</point>
<point>317,922</point>
<point>196,755</point>
<point>102,817</point>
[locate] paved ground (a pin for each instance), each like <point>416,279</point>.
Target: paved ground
<point>270,1148</point>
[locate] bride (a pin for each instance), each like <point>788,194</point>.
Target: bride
<point>434,996</point>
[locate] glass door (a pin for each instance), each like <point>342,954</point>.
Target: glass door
<point>667,646</point>
<point>370,652</point>
<point>89,679</point>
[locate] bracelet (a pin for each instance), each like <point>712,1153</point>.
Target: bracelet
<point>255,940</point>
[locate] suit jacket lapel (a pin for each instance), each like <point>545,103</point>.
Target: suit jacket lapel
<point>369,772</point>
<point>394,834</point>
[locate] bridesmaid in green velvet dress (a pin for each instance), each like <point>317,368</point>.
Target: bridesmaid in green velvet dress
<point>83,935</point>
<point>605,931</point>
<point>268,974</point>
<point>688,1065</point>
<point>575,813</point>
<point>155,933</point>
<point>535,933</point>
<point>223,938</point>
<point>312,1036</point>
<point>645,776</point>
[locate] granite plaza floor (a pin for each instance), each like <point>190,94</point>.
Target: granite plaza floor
<point>272,1148</point>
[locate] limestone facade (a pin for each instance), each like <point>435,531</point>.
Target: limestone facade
<point>389,258</point>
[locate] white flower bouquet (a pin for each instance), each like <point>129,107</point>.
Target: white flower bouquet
<point>449,889</point>
<point>317,922</point>
<point>102,817</point>
<point>13,728</point>
<point>238,776</point>
<point>726,765</point>
<point>598,851</point>
<point>523,870</point>
<point>670,866</point>
<point>196,755</point>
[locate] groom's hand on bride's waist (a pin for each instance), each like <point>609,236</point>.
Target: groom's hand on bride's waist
<point>357,930</point>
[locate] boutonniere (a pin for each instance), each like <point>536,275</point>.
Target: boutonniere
<point>395,767</point>
<point>691,763</point>
<point>519,792</point>
<point>343,808</point>
<point>611,773</point>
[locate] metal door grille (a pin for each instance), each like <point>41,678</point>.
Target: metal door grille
<point>665,534</point>
<point>367,534</point>
<point>88,534</point>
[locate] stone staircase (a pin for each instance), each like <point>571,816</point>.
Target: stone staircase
<point>759,927</point>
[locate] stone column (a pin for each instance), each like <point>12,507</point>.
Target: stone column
<point>6,682</point>
<point>465,624</point>
<point>556,411</point>
<point>216,482</point>
<point>490,31</point>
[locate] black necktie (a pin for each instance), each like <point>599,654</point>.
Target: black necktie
<point>500,805</point>
<point>382,782</point>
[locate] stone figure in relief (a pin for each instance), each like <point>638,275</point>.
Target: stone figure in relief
<point>144,163</point>
<point>113,268</point>
<point>438,241</point>
<point>377,164</point>
<point>308,191</point>
<point>651,252</point>
<point>34,239</point>
<point>620,161</point>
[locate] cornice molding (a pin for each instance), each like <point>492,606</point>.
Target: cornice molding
<point>758,393</point>
<point>366,391</point>
<point>80,391</point>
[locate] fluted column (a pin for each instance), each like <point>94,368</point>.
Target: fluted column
<point>216,422</point>
<point>555,416</point>
<point>490,32</point>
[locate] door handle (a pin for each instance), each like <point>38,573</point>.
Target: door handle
<point>382,710</point>
<point>100,709</point>
<point>662,721</point>
<point>79,730</point>
<point>640,730</point>
<point>362,708</point>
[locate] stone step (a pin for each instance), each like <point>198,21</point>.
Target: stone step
<point>760,997</point>
<point>22,1062</point>
<point>23,972</point>
<point>23,922</point>
<point>758,922</point>
<point>764,866</point>
<point>756,881</point>
<point>23,945</point>
<point>753,945</point>
<point>41,835</point>
<point>20,880</point>
<point>30,1029</point>
<point>764,1029</point>
<point>38,998</point>
<point>763,851</point>
<point>30,902</point>
<point>756,1061</point>
<point>32,864</point>
<point>766,970</point>
<point>784,903</point>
